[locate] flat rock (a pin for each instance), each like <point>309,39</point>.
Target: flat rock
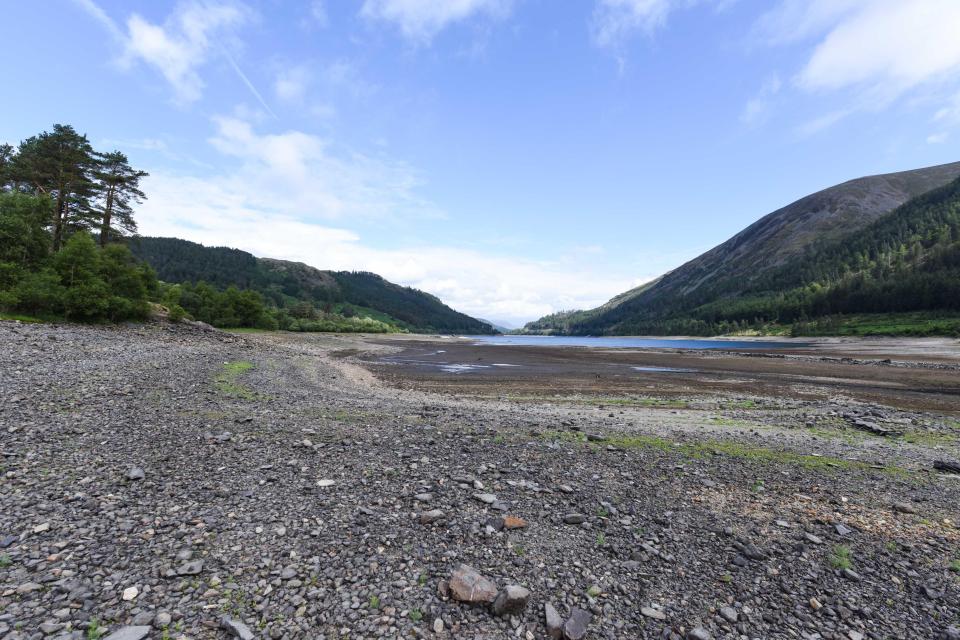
<point>236,628</point>
<point>467,585</point>
<point>699,633</point>
<point>650,612</point>
<point>513,522</point>
<point>576,625</point>
<point>574,518</point>
<point>129,633</point>
<point>553,621</point>
<point>135,473</point>
<point>486,498</point>
<point>427,517</point>
<point>512,599</point>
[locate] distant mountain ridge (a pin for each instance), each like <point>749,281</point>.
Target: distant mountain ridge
<point>782,240</point>
<point>285,283</point>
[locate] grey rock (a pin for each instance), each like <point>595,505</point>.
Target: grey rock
<point>904,507</point>
<point>699,633</point>
<point>486,498</point>
<point>574,518</point>
<point>576,625</point>
<point>512,599</point>
<point>163,619</point>
<point>236,628</point>
<point>650,612</point>
<point>729,614</point>
<point>129,633</point>
<point>842,529</point>
<point>434,515</point>
<point>554,622</point>
<point>135,473</point>
<point>190,568</point>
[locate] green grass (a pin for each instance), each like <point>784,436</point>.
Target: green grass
<point>930,439</point>
<point>94,630</point>
<point>841,557</point>
<point>706,448</point>
<point>601,539</point>
<point>29,319</point>
<point>594,591</point>
<point>656,403</point>
<point>227,380</point>
<point>918,323</point>
<point>416,615</point>
<point>374,602</point>
<point>955,566</point>
<point>5,561</point>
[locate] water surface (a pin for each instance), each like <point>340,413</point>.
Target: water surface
<point>627,342</point>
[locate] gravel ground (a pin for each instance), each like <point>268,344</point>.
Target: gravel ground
<point>171,482</point>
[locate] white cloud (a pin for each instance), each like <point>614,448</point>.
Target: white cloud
<point>291,196</point>
<point>318,11</point>
<point>869,52</point>
<point>179,47</point>
<point>421,20</point>
<point>616,20</point>
<point>938,138</point>
<point>295,174</point>
<point>291,84</point>
<point>757,108</point>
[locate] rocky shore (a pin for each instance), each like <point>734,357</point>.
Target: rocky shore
<point>165,481</point>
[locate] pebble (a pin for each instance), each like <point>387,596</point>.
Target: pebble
<point>467,585</point>
<point>129,633</point>
<point>576,625</point>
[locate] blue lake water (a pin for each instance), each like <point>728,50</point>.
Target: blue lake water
<point>635,343</point>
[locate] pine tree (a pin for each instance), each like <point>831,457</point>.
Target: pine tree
<point>118,187</point>
<point>59,164</point>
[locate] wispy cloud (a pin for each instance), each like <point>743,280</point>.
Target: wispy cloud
<point>290,195</point>
<point>874,52</point>
<point>757,108</point>
<point>421,20</point>
<point>187,40</point>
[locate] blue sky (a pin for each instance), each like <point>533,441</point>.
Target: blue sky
<point>514,157</point>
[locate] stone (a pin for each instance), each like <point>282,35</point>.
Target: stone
<point>554,622</point>
<point>904,507</point>
<point>565,488</point>
<point>162,620</point>
<point>190,568</point>
<point>423,497</point>
<point>438,625</point>
<point>809,537</point>
<point>512,599</point>
<point>699,633</point>
<point>513,522</point>
<point>130,593</point>
<point>574,518</point>
<point>729,614</point>
<point>40,528</point>
<point>650,612</point>
<point>486,498</point>
<point>236,628</point>
<point>428,517</point>
<point>135,473</point>
<point>576,625</point>
<point>842,529</point>
<point>326,482</point>
<point>467,585</point>
<point>129,633</point>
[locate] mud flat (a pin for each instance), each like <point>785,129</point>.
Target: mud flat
<point>315,486</point>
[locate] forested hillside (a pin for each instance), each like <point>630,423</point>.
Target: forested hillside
<point>289,284</point>
<point>904,260</point>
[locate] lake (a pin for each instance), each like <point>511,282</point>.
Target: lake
<point>627,342</point>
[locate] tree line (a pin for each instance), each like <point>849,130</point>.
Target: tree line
<point>63,208</point>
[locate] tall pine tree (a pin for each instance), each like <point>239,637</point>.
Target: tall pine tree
<point>59,164</point>
<point>118,187</point>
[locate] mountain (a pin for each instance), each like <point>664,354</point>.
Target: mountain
<point>749,278</point>
<point>286,283</point>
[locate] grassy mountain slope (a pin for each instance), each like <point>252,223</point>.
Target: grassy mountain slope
<point>285,283</point>
<point>759,275</point>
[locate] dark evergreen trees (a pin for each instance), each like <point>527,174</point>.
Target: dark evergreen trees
<point>118,189</point>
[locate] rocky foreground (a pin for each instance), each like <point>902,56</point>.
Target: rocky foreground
<point>170,482</point>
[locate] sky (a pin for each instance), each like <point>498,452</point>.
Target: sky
<point>513,157</point>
